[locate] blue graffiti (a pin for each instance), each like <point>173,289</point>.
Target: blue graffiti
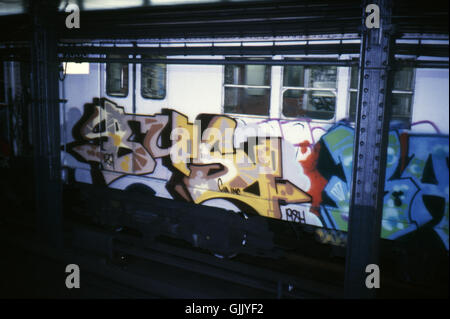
<point>416,186</point>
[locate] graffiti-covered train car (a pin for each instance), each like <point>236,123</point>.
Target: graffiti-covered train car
<point>265,139</point>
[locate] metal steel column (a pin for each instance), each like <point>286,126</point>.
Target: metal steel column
<point>369,164</point>
<point>46,127</point>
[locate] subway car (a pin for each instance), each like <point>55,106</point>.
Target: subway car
<point>260,138</point>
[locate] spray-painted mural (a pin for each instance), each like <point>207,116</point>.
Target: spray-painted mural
<point>204,163</point>
<point>210,159</point>
<point>416,189</point>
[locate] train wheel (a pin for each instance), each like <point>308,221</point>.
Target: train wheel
<point>228,205</point>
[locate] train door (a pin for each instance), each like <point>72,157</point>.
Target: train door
<point>136,94</point>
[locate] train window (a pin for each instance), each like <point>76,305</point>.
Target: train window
<point>153,80</point>
<point>117,78</point>
<point>402,93</point>
<point>309,91</point>
<point>247,89</point>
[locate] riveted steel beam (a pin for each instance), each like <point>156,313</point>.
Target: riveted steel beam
<point>370,149</point>
<point>45,115</point>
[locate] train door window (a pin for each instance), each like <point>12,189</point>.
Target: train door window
<point>153,80</point>
<point>247,89</point>
<point>402,94</point>
<point>353,92</point>
<point>309,91</point>
<point>117,78</point>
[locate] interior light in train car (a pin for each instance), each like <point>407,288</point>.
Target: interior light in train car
<point>174,2</point>
<point>76,68</point>
<point>110,4</point>
<point>120,4</point>
<point>171,2</point>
